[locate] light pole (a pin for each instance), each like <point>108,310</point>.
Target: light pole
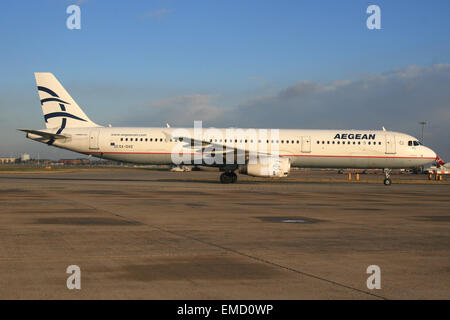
<point>422,123</point>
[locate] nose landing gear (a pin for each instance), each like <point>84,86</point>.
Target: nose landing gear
<point>387,177</point>
<point>228,177</point>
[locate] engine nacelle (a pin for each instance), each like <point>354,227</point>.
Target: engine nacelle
<point>268,167</point>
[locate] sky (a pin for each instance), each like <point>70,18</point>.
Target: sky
<point>272,64</point>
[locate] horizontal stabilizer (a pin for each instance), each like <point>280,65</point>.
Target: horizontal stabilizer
<point>43,134</point>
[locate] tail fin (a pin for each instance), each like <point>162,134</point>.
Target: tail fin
<point>439,162</point>
<point>60,110</point>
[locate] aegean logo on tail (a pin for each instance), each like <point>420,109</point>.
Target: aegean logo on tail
<point>62,105</point>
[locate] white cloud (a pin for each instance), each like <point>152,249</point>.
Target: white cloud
<point>182,110</point>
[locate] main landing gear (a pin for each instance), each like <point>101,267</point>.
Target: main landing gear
<point>228,177</point>
<point>387,177</point>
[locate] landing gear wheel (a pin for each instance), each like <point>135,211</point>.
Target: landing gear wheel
<point>224,178</point>
<point>228,177</point>
<point>387,181</point>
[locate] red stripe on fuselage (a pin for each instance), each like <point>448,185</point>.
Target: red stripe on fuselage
<point>283,155</point>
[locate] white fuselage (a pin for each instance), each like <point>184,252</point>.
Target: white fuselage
<point>305,148</point>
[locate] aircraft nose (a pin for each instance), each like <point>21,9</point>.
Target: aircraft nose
<point>429,153</point>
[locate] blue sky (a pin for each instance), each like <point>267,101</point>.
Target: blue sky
<point>136,57</point>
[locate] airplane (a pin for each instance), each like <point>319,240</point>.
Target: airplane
<point>269,155</point>
<point>439,168</point>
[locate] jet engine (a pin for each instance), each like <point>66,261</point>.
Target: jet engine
<point>267,167</point>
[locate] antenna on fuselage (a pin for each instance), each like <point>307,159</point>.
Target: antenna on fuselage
<point>384,129</point>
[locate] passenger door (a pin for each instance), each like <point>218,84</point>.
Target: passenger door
<point>390,144</point>
<point>306,144</point>
<point>93,139</point>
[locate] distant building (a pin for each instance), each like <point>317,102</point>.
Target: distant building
<point>74,162</point>
<point>24,157</point>
<point>7,160</point>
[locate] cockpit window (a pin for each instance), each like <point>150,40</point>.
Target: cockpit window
<point>414,143</point>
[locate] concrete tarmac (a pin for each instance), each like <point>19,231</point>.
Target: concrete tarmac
<point>143,234</point>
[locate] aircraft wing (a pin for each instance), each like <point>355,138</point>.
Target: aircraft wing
<point>212,145</point>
